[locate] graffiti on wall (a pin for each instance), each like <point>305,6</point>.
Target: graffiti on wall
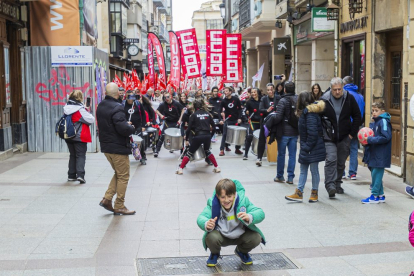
<point>60,87</point>
<point>100,80</point>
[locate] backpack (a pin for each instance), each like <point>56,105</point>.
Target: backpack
<point>65,127</point>
<point>293,120</point>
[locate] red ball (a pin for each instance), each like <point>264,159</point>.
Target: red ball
<point>363,133</point>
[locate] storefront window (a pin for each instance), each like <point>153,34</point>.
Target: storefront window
<point>354,62</point>
<point>23,76</point>
<point>124,20</point>
<point>7,75</point>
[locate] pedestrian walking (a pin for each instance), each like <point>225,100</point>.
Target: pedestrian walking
<point>339,130</point>
<point>230,218</point>
<point>287,133</point>
<point>77,145</point>
<point>114,132</point>
<point>378,151</point>
<point>353,153</point>
<point>316,92</point>
<point>312,146</point>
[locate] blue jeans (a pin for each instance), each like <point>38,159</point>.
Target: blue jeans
<point>377,187</point>
<point>353,157</point>
<point>304,175</point>
<point>291,143</point>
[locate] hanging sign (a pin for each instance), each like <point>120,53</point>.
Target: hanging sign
<point>160,56</point>
<point>175,76</point>
<point>216,39</point>
<point>233,70</point>
<point>320,22</point>
<point>190,56</point>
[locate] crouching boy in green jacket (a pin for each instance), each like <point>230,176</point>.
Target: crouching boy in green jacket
<point>230,219</point>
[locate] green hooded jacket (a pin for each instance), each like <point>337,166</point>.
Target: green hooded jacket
<point>213,206</point>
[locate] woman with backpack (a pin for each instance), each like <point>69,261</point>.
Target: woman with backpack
<point>312,146</point>
<point>77,145</point>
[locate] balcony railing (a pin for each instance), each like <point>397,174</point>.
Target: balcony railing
<point>235,9</point>
<point>144,26</point>
<point>244,17</point>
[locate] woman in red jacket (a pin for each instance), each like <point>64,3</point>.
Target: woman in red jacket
<point>81,119</point>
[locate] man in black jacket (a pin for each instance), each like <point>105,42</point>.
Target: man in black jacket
<point>338,133</point>
<point>114,132</point>
<point>287,134</point>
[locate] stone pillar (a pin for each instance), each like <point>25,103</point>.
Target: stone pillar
<point>303,67</point>
<point>251,63</point>
<point>323,62</point>
<point>263,57</point>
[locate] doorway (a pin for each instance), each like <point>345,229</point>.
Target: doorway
<point>393,90</point>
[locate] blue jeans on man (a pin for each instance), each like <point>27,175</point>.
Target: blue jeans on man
<point>289,142</point>
<point>353,157</point>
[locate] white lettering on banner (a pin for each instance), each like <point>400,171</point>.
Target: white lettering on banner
<point>215,53</point>
<point>54,20</point>
<point>233,58</point>
<point>190,58</point>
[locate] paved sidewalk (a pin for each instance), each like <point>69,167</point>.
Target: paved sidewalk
<point>52,227</point>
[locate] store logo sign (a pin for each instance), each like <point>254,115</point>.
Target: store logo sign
<point>57,16</point>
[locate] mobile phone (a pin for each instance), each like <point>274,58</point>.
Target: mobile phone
<point>277,77</point>
<point>88,101</point>
<point>131,97</point>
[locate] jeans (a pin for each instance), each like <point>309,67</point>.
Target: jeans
<point>291,143</point>
<point>353,157</point>
<point>223,137</point>
<point>336,155</point>
<point>377,175</point>
<point>77,159</point>
<point>304,175</point>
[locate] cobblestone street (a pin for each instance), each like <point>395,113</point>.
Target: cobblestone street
<point>52,227</point>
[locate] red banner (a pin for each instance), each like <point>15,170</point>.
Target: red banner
<point>160,56</point>
<point>175,76</point>
<point>216,40</point>
<point>190,57</point>
<point>151,69</point>
<point>233,69</point>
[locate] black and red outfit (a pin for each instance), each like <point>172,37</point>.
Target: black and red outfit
<point>199,127</point>
<point>253,109</point>
<point>171,113</point>
<point>232,107</point>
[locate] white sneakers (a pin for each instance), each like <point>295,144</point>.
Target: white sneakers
<point>258,162</point>
<point>216,170</point>
<point>179,171</point>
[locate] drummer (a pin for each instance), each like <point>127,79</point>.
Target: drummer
<point>215,102</point>
<point>170,112</point>
<point>253,116</point>
<point>231,116</point>
<point>200,125</point>
<point>135,113</point>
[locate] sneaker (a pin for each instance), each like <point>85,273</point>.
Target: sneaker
<point>258,162</point>
<point>71,179</point>
<point>81,180</point>
<point>179,171</point>
<point>155,153</point>
<point>343,176</point>
<point>277,179</point>
<point>171,151</point>
<point>212,260</point>
<point>297,196</point>
<point>289,181</point>
<point>213,140</point>
<point>409,191</point>
<point>244,257</point>
<point>340,190</point>
<point>382,198</point>
<point>331,192</point>
<point>208,162</point>
<point>353,177</point>
<point>143,161</point>
<point>314,196</point>
<point>371,199</point>
<point>245,157</point>
<point>216,170</point>
<point>228,149</point>
<point>237,151</point>
<point>222,153</point>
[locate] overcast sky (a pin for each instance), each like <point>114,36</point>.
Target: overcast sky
<point>183,12</point>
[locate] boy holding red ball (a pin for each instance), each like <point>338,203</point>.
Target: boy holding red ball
<point>378,151</point>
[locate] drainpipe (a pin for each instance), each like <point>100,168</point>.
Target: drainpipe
<point>81,20</point>
<point>292,55</point>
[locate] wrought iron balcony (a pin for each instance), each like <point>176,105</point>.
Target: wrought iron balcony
<point>244,14</point>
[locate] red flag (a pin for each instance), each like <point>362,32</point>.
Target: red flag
<point>175,60</point>
<point>160,55</point>
<point>145,85</point>
<point>160,84</point>
<point>199,83</point>
<point>190,56</point>
<point>118,81</point>
<point>136,81</point>
<point>221,84</point>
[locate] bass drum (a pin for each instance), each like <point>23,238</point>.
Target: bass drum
<point>236,135</point>
<point>199,154</point>
<point>255,143</point>
<point>173,139</point>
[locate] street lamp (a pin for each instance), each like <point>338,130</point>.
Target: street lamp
<point>222,7</point>
<point>279,24</point>
<point>332,12</point>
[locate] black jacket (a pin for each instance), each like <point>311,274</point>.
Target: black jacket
<point>231,107</point>
<point>215,103</point>
<point>138,118</point>
<point>201,122</point>
<point>283,109</point>
<point>312,146</point>
<point>336,131</point>
<point>114,131</point>
<point>251,105</point>
<point>171,111</point>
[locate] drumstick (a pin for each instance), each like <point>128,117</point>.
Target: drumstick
<point>252,114</point>
<point>228,118</point>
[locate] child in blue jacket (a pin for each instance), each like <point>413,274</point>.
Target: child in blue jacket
<point>378,151</point>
